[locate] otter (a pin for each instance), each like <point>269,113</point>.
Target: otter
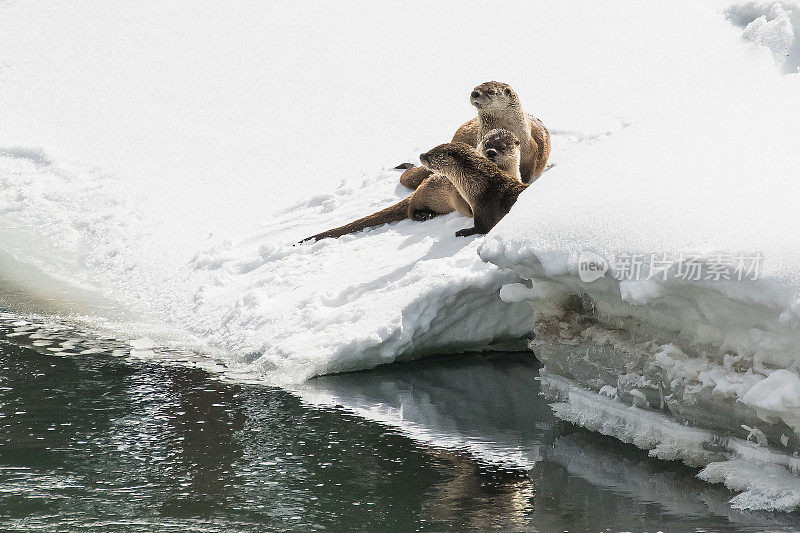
<point>437,195</point>
<point>489,192</point>
<point>498,107</point>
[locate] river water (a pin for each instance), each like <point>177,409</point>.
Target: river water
<point>94,439</point>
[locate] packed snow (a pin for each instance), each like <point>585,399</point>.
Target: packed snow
<point>172,195</point>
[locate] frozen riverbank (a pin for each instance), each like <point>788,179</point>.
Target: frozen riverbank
<point>663,267</point>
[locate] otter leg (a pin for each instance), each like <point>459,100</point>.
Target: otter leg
<point>421,215</point>
<point>482,226</point>
<point>412,177</point>
<point>435,196</point>
<point>466,232</point>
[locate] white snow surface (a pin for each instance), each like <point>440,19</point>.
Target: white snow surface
<point>170,173</point>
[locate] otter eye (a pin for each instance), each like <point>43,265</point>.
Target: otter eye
<point>516,143</point>
<point>491,92</point>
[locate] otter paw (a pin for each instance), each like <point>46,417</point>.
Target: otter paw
<point>404,166</point>
<point>423,214</point>
<point>466,232</point>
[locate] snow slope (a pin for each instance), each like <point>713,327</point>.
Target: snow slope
<point>355,302</point>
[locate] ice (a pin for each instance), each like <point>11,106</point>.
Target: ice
<point>761,486</point>
<point>776,397</point>
<point>764,479</point>
<point>664,438</point>
<point>143,343</point>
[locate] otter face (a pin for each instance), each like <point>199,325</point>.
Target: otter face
<point>499,145</point>
<point>493,96</point>
<point>445,157</point>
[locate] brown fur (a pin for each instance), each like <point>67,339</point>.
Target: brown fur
<point>498,107</point>
<point>437,195</point>
<point>487,189</point>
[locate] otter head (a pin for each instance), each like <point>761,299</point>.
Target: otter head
<point>493,96</point>
<point>501,147</point>
<point>447,158</point>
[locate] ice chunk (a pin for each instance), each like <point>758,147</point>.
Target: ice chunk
<point>761,486</point>
<point>144,343</point>
<point>516,292</point>
<point>777,398</point>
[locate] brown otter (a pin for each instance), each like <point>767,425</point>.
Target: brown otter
<point>488,191</point>
<point>498,107</point>
<point>437,195</point>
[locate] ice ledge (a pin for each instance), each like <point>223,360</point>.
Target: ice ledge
<point>726,348</point>
<point>702,373</point>
<point>766,479</point>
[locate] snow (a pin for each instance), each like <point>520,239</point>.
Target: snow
<point>775,25</point>
<point>776,397</point>
<point>275,309</point>
<point>343,304</point>
<point>171,174</point>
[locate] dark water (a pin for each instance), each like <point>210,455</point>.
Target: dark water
<point>95,441</point>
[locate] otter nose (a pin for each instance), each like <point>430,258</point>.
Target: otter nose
<point>475,94</point>
<point>491,153</point>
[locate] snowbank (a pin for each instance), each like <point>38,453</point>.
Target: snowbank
<point>660,189</point>
<point>393,292</point>
<point>275,310</point>
<point>633,253</point>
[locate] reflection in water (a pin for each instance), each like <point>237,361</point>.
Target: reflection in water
<point>477,496</point>
<point>91,440</point>
<point>488,405</point>
<point>521,468</point>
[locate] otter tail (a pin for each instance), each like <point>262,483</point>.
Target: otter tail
<point>395,213</point>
